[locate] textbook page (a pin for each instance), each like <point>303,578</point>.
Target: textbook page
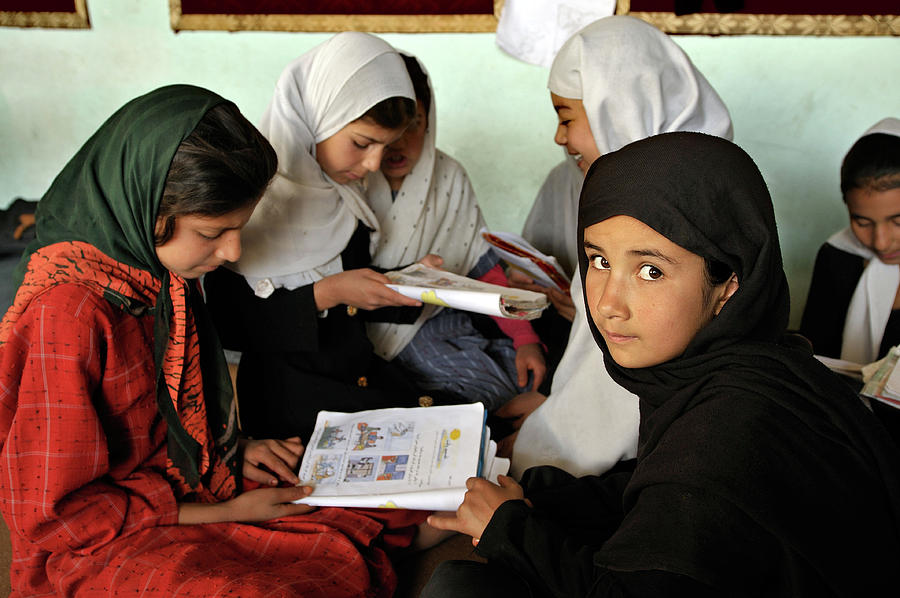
<point>439,287</point>
<point>415,458</point>
<point>522,256</point>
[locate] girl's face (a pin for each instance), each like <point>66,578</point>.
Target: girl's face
<point>574,131</point>
<point>200,244</point>
<point>355,150</point>
<point>875,220</point>
<point>402,155</point>
<point>648,296</point>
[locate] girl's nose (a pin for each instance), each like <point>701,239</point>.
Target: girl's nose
<point>612,302</point>
<point>560,138</point>
<point>882,240</point>
<point>372,161</point>
<point>230,247</point>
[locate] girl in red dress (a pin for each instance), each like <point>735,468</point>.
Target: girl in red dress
<point>121,466</point>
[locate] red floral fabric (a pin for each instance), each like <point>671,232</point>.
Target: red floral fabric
<point>85,483</point>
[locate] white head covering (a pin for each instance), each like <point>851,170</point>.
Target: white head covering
<point>305,218</point>
<point>435,211</point>
<point>873,299</point>
<point>634,82</point>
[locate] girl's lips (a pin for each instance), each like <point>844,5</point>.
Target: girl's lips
<point>616,338</point>
<point>395,161</point>
<point>889,257</point>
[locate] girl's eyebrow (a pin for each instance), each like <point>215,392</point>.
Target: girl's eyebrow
<point>861,217</point>
<point>638,252</point>
<point>653,253</point>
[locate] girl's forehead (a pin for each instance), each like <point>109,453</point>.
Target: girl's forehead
<point>371,130</point>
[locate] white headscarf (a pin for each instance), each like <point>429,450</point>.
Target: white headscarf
<point>638,83</point>
<point>435,211</point>
<point>305,218</point>
<point>634,82</point>
<point>873,299</point>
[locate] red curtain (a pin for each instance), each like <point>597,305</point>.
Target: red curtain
<point>337,7</point>
<point>779,7</point>
<point>37,6</point>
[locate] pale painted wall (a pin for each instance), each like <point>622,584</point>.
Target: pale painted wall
<point>797,104</point>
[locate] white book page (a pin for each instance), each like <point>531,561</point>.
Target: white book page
<point>439,287</point>
<point>482,303</point>
<point>388,454</point>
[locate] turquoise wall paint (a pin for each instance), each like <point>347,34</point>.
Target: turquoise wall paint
<point>798,103</point>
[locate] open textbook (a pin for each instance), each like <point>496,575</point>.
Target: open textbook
<point>447,289</point>
<point>415,458</point>
<point>520,255</point>
<point>884,384</point>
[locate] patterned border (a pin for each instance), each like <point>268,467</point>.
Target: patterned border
<point>69,20</point>
<point>746,24</point>
<point>335,23</point>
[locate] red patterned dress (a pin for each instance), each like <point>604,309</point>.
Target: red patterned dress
<point>89,494</point>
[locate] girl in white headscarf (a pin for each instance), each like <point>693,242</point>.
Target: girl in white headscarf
<point>425,204</point>
<point>616,81</point>
<point>290,305</point>
<point>853,307</point>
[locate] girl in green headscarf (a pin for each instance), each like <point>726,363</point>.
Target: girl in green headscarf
<point>118,425</point>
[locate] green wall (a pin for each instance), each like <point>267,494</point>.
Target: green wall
<point>798,103</point>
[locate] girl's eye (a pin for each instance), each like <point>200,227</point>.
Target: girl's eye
<point>360,146</point>
<point>862,223</point>
<point>599,262</point>
<point>208,237</point>
<point>648,272</point>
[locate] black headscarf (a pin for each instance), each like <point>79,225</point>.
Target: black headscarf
<point>749,449</point>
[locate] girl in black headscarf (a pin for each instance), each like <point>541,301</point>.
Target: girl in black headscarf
<point>758,472</point>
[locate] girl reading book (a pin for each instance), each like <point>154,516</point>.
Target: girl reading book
<point>758,472</point>
<point>294,305</point>
<point>425,204</point>
<point>123,471</point>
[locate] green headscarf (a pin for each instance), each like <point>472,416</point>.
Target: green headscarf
<point>108,196</point>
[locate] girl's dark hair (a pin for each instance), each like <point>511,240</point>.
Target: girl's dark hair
<point>717,272</point>
<point>419,80</point>
<point>392,113</point>
<point>873,162</point>
<point>223,165</point>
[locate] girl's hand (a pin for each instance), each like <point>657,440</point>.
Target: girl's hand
<point>518,280</point>
<point>279,457</point>
<point>520,407</point>
<point>362,288</point>
<point>530,357</point>
<point>562,302</point>
<point>482,499</point>
<point>262,504</point>
<point>517,410</point>
<point>432,260</point>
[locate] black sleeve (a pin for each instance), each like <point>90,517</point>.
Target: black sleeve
<point>527,541</point>
<point>834,279</point>
<point>285,321</point>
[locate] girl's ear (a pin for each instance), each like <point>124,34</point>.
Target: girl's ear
<point>729,289</point>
